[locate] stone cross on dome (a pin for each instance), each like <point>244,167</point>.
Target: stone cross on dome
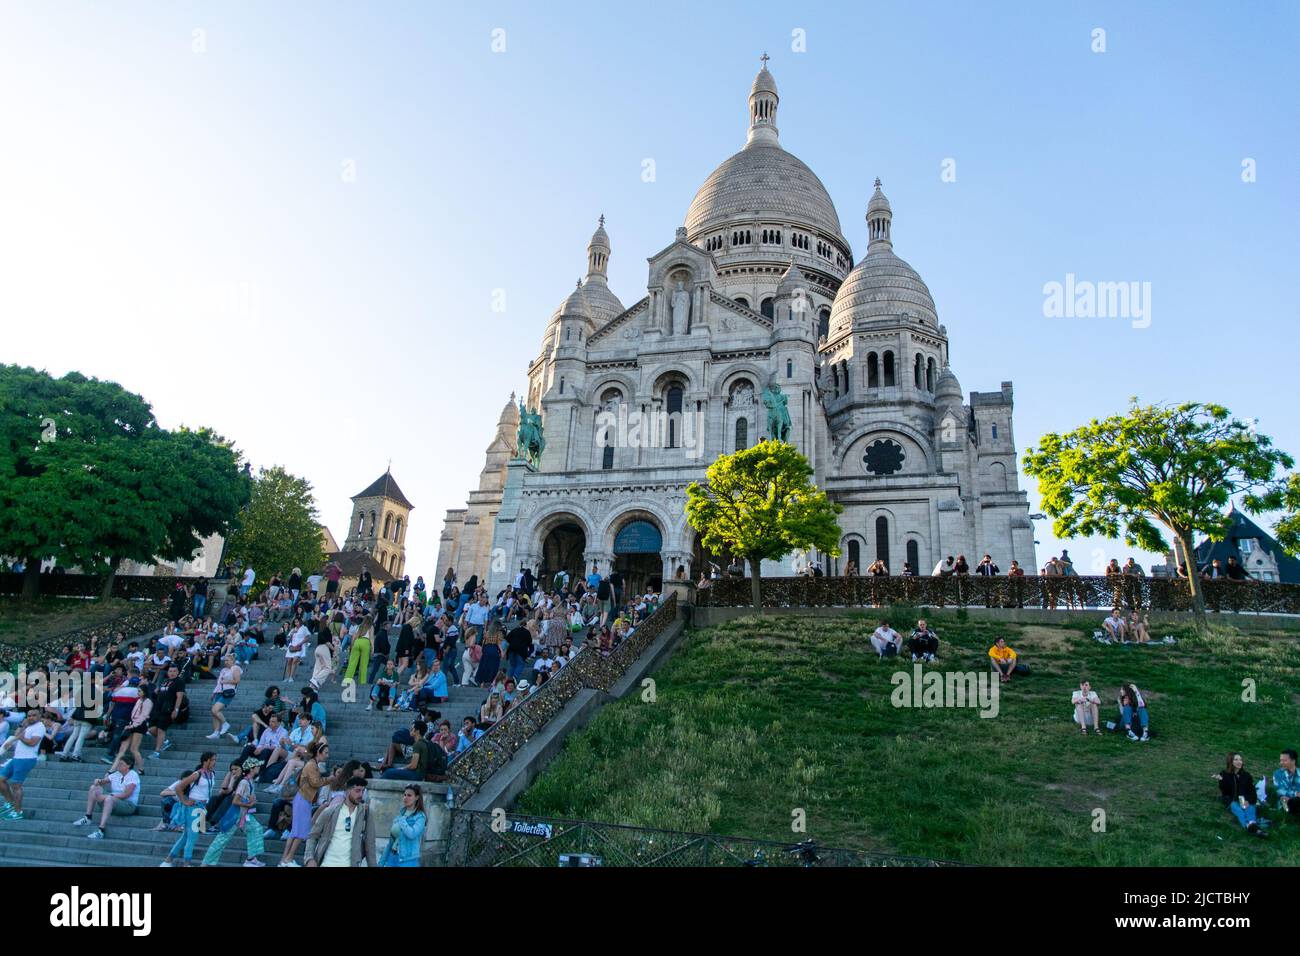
<point>764,58</point>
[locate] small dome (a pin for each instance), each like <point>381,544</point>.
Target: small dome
<point>878,202</point>
<point>881,285</point>
<point>600,238</point>
<point>601,302</point>
<point>792,282</point>
<point>947,387</point>
<point>765,82</point>
<point>575,304</point>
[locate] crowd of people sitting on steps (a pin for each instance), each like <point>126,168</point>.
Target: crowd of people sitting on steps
<point>400,646</point>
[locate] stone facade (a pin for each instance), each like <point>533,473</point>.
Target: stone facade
<point>380,517</point>
<point>757,292</point>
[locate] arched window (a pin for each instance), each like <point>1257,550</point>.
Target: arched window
<point>374,524</point>
<point>743,301</point>
<point>889,368</point>
<point>929,375</point>
<point>361,523</point>
<point>835,378</point>
<point>607,456</point>
<point>823,323</point>
<point>392,564</point>
<point>397,530</point>
<point>913,556</point>
<point>674,410</point>
<point>882,539</point>
<point>873,371</point>
<point>789,368</point>
<point>742,434</point>
<point>388,525</point>
<point>766,307</point>
<point>848,381</point>
<point>855,553</point>
<point>920,370</point>
<point>561,384</point>
<point>995,431</point>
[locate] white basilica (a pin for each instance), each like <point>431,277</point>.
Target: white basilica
<point>758,293</point>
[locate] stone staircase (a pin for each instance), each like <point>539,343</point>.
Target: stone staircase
<point>55,792</point>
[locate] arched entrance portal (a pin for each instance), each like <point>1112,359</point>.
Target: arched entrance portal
<point>563,550</point>
<point>636,556</point>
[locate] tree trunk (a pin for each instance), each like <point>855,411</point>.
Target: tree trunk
<point>113,565</point>
<point>31,578</point>
<point>756,583</point>
<point>1184,540</point>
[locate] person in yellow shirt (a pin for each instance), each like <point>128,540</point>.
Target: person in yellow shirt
<point>1003,659</point>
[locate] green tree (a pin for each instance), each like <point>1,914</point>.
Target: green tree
<point>1173,465</point>
<point>760,503</point>
<point>88,477</point>
<point>280,528</point>
<point>1288,527</point>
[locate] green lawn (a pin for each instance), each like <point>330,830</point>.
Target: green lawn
<point>760,716</point>
<point>46,617</point>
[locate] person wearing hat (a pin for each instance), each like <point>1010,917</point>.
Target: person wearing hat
<point>240,816</point>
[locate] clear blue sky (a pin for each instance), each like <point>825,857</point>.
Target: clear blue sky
<point>177,219</point>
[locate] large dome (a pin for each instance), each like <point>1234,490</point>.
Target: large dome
<point>601,301</point>
<point>762,181</point>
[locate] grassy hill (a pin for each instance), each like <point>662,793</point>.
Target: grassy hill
<point>760,716</point>
<point>21,622</point>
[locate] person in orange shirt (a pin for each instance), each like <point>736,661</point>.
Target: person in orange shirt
<point>1003,659</point>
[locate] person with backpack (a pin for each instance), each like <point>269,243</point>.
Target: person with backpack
<point>193,791</point>
<point>239,816</point>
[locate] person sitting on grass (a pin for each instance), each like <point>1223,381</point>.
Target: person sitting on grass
<point>1004,660</point>
<point>1237,791</point>
<point>119,792</point>
<point>886,640</point>
<point>1115,626</point>
<point>1131,706</point>
<point>924,643</point>
<point>1286,781</point>
<point>1086,708</point>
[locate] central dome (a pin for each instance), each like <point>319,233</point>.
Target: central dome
<point>762,181</point>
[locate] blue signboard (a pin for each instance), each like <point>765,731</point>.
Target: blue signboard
<point>638,537</point>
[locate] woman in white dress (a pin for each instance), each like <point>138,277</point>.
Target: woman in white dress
<point>323,660</point>
<point>295,651</point>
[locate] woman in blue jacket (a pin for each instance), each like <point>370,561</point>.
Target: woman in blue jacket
<point>407,834</point>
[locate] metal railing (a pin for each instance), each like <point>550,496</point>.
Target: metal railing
<point>590,669</point>
<point>482,838</point>
<point>1075,591</point>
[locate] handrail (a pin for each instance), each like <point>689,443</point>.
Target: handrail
<point>1083,592</point>
<point>589,669</point>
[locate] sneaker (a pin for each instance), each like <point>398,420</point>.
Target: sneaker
<point>95,835</point>
<point>162,825</point>
<point>1132,736</point>
<point>165,863</point>
<point>107,760</point>
<point>290,863</point>
<point>254,863</point>
<point>273,788</point>
<point>154,756</point>
<point>1145,736</point>
<point>166,743</point>
<point>76,758</point>
<point>81,821</point>
<point>215,735</point>
<point>233,739</point>
<point>225,729</point>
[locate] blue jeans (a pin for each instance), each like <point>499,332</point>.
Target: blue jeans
<point>244,653</point>
<point>1245,815</point>
<point>200,602</point>
<point>401,773</point>
<point>1126,714</point>
<point>189,832</point>
<point>517,662</point>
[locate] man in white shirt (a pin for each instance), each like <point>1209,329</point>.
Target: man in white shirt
<point>313,582</point>
<point>343,834</point>
<point>886,640</point>
<point>944,567</point>
<point>27,748</point>
<point>1086,704</point>
<point>247,584</point>
<point>1115,626</point>
<point>172,642</point>
<point>122,798</point>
